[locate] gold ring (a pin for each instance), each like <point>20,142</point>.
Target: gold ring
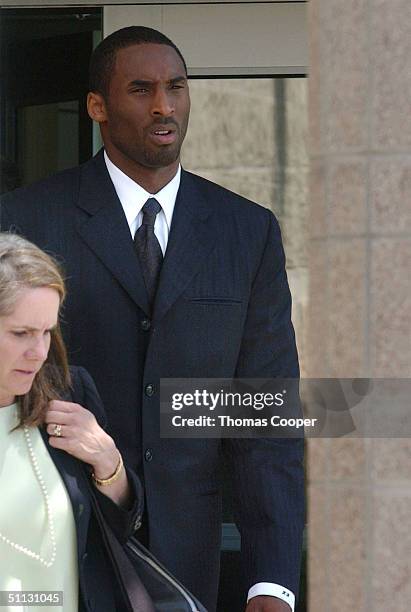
<point>57,431</point>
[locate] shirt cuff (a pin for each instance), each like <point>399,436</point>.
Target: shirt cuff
<point>275,590</point>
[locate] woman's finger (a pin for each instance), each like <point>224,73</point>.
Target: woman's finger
<point>65,444</point>
<point>75,416</point>
<point>62,406</point>
<point>61,418</point>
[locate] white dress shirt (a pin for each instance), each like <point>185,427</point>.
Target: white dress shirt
<point>133,197</point>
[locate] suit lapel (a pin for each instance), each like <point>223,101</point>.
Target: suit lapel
<point>192,237</point>
<point>73,477</point>
<point>106,230</point>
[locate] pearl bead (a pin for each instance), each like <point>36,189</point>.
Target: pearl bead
<point>23,549</point>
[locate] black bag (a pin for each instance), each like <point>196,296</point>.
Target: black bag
<point>145,585</point>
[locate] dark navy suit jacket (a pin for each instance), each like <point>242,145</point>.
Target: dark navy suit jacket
<point>222,310</point>
<point>97,583</point>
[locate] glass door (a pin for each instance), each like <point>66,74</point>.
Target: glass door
<point>44,65</point>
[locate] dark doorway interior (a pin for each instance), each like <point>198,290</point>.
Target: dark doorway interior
<point>44,65</point>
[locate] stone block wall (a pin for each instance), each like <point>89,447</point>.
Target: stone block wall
<point>359,300</point>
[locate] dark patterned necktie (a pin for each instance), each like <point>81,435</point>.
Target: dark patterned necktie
<point>148,248</point>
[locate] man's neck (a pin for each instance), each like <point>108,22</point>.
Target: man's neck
<point>151,179</point>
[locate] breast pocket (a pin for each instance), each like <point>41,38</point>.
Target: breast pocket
<point>212,328</point>
<point>215,300</point>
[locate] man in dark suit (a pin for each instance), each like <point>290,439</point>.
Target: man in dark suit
<point>219,307</point>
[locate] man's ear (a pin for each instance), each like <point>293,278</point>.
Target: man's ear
<point>96,107</point>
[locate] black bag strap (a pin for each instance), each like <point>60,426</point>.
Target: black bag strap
<point>133,590</point>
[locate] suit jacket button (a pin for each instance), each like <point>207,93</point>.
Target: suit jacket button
<point>145,324</point>
<point>149,390</point>
<point>148,455</point>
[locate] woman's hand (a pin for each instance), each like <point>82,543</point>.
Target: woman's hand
<point>81,436</point>
<point>75,430</point>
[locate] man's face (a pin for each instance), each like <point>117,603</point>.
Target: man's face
<point>147,106</point>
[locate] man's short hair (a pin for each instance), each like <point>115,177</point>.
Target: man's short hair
<point>103,59</point>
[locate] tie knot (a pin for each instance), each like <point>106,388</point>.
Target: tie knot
<point>150,210</point>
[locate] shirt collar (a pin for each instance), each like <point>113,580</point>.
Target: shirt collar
<point>133,197</point>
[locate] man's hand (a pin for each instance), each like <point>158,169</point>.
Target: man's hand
<point>266,603</point>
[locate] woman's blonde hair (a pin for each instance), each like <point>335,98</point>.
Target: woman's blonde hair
<point>24,266</point>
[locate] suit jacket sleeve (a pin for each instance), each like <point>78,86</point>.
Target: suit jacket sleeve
<point>268,473</point>
<point>121,520</point>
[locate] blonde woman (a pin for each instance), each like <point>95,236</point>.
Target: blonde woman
<point>51,444</point>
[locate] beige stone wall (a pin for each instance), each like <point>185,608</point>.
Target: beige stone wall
<point>359,306</point>
<point>250,135</point>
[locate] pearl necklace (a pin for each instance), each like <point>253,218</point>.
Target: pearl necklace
<point>42,484</point>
